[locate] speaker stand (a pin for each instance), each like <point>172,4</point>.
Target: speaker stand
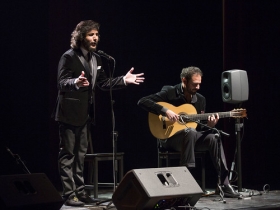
<point>238,126</point>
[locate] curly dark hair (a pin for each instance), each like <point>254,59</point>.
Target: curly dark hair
<point>189,72</point>
<point>80,32</point>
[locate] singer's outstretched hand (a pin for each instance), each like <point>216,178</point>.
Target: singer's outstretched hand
<point>134,78</point>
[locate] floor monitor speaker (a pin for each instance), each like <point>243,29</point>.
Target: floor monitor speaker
<point>156,188</point>
<point>28,191</point>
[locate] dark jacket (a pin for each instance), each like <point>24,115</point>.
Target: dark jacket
<point>74,105</point>
<point>172,95</point>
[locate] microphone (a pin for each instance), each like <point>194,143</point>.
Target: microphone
<point>10,152</point>
<point>217,135</point>
<point>105,55</point>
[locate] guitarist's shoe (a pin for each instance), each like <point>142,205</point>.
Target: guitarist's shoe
<point>229,191</point>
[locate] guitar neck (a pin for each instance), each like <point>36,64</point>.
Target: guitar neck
<point>205,115</point>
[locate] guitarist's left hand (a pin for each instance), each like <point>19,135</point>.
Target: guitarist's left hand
<point>213,120</point>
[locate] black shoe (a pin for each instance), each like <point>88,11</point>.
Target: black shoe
<point>229,191</point>
<point>87,199</point>
<point>73,201</point>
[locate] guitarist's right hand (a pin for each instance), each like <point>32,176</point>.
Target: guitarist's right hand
<point>172,116</point>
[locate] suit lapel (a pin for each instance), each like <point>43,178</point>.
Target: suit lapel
<point>84,63</point>
<point>93,63</point>
<point>90,67</point>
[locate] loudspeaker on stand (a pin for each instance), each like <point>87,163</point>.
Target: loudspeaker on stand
<point>235,87</point>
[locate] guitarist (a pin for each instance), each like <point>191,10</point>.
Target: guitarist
<point>189,140</point>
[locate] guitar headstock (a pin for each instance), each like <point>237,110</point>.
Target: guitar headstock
<point>238,113</point>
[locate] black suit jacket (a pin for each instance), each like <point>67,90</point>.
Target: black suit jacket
<point>74,105</point>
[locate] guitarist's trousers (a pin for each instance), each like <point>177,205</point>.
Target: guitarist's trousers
<point>188,140</point>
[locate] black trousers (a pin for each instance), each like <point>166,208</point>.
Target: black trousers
<point>72,150</point>
<point>189,140</point>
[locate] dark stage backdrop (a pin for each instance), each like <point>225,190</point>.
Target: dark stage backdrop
<point>158,38</point>
<point>251,43</point>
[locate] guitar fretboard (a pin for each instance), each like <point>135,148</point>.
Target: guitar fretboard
<point>205,116</point>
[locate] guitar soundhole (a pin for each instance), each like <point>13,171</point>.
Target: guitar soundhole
<point>183,118</point>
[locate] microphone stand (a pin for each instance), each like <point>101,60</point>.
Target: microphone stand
<point>218,137</point>
<point>114,133</point>
<point>18,161</point>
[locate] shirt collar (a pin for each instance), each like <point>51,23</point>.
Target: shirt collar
<point>194,97</point>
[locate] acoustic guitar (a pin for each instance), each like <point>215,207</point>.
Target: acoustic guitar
<point>162,128</point>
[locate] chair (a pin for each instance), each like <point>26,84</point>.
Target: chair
<point>167,156</point>
<point>93,160</point>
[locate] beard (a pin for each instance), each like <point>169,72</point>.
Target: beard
<point>89,46</point>
<point>191,91</point>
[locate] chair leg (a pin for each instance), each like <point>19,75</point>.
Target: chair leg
<point>167,161</point>
<point>95,178</point>
<point>121,169</point>
<point>159,161</point>
<point>203,172</point>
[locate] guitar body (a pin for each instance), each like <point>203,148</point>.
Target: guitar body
<point>162,128</point>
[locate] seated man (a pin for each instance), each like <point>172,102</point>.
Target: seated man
<point>189,140</point>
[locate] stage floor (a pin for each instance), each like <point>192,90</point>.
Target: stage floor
<point>260,200</point>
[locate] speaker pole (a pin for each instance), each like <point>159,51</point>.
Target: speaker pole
<point>238,126</point>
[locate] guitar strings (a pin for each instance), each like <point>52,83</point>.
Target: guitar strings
<point>182,121</point>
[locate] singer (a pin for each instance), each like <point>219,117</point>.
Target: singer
<point>189,140</point>
<point>79,73</point>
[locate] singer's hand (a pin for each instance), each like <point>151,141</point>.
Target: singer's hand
<point>213,120</point>
<point>134,78</point>
<point>172,116</point>
<point>82,80</point>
